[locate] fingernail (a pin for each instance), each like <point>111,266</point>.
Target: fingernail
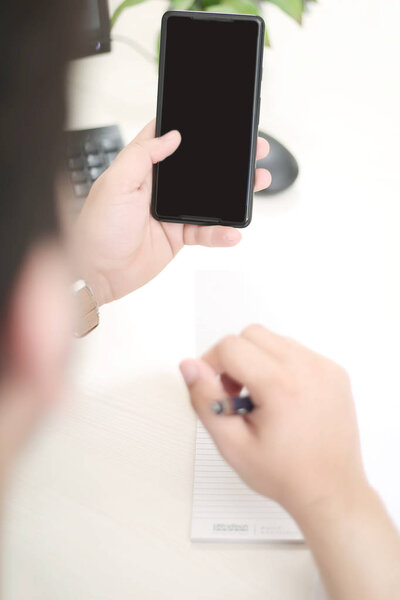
<point>170,134</point>
<point>231,237</point>
<point>190,372</point>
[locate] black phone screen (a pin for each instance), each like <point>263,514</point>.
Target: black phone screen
<point>210,94</point>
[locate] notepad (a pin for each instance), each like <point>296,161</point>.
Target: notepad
<point>224,508</point>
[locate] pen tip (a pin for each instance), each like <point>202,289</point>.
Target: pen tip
<point>217,407</point>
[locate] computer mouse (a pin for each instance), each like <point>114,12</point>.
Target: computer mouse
<point>280,163</point>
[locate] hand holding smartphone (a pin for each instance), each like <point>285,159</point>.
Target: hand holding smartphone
<point>209,89</point>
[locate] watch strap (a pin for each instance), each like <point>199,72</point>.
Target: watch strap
<point>87,310</point>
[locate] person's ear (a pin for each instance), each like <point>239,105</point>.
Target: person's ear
<point>38,324</point>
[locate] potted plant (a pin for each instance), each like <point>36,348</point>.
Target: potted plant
<point>280,162</point>
<point>294,8</point>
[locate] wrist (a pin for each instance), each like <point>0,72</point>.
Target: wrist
<point>354,501</point>
<point>88,267</point>
<point>86,309</point>
<point>355,545</point>
<point>100,287</point>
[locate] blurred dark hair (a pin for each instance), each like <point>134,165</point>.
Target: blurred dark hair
<point>36,40</point>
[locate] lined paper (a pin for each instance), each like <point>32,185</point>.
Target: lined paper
<point>224,508</point>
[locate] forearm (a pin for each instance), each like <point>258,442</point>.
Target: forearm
<point>301,447</point>
<point>356,547</point>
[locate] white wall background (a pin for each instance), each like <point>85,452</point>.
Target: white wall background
<point>100,505</point>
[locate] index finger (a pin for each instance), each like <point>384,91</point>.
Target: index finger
<point>149,131</point>
<point>262,148</point>
<point>248,364</point>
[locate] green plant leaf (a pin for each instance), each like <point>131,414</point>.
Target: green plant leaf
<point>121,7</point>
<point>266,37</point>
<point>181,4</point>
<point>203,4</point>
<point>247,7</point>
<point>222,8</point>
<point>294,8</point>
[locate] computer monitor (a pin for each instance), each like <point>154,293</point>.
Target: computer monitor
<point>95,29</point>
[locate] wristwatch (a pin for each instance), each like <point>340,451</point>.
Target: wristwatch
<point>87,310</point>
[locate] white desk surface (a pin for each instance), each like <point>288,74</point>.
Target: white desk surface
<point>100,505</point>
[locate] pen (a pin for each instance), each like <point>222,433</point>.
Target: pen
<point>238,405</point>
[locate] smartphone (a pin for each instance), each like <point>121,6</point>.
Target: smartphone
<point>209,89</point>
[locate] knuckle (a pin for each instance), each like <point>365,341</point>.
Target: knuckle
<point>341,374</point>
<point>253,329</point>
<point>287,382</point>
<point>142,152</point>
<point>273,377</point>
<point>189,235</point>
<point>227,344</point>
<point>333,367</point>
<point>139,146</point>
<point>334,372</point>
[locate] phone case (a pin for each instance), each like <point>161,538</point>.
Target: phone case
<point>256,111</point>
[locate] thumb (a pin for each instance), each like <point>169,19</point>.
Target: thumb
<point>231,434</point>
<point>135,162</point>
<point>161,147</point>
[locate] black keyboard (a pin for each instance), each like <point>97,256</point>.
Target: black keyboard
<point>89,152</point>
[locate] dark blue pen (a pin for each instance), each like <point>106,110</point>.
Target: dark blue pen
<point>238,405</point>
